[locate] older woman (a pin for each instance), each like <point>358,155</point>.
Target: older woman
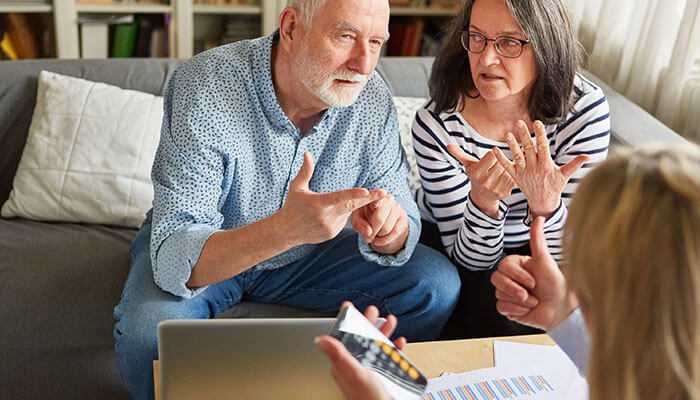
<point>633,264</point>
<point>508,68</point>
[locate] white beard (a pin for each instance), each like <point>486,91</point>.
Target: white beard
<point>321,83</point>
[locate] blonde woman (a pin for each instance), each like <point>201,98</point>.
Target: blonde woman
<point>632,247</point>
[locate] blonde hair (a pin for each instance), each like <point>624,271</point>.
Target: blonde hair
<point>632,246</point>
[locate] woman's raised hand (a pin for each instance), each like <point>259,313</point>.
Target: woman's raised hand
<point>534,171</point>
<point>490,182</point>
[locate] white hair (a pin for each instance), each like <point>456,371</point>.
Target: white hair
<point>307,8</point>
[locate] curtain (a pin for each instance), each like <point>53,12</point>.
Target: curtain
<point>648,50</point>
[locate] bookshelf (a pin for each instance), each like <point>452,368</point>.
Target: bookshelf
<point>226,10</point>
<point>188,22</point>
<point>214,25</point>
<point>123,8</point>
<point>26,29</point>
<point>25,8</point>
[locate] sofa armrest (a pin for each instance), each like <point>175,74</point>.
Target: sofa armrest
<point>631,124</point>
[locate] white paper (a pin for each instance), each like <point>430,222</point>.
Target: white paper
<point>522,371</point>
<point>355,322</point>
<point>550,359</point>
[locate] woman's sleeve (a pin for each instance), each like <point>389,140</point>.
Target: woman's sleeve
<point>471,238</point>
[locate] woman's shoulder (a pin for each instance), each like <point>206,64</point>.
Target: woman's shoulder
<point>586,91</point>
<point>446,119</point>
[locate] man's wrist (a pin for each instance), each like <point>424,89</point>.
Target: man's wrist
<point>286,229</point>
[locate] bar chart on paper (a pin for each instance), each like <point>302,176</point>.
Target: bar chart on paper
<point>519,387</point>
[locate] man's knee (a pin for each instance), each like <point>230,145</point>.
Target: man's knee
<point>137,326</point>
<point>436,278</point>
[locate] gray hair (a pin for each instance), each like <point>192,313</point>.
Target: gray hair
<point>307,8</point>
<point>557,54</point>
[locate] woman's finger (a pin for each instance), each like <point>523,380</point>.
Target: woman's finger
<point>507,165</point>
<point>511,310</point>
<point>530,302</point>
<point>526,142</point>
<point>508,286</point>
<point>543,154</point>
<point>389,326</point>
<point>518,156</point>
<point>400,343</point>
<point>518,273</point>
<point>505,184</point>
<point>372,313</point>
<point>461,156</point>
<point>572,166</point>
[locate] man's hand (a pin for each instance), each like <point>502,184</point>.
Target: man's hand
<point>383,224</point>
<point>317,217</point>
<point>490,182</point>
<point>532,290</point>
<point>355,381</point>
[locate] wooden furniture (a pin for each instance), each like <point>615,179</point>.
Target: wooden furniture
<point>433,358</point>
<point>184,16</point>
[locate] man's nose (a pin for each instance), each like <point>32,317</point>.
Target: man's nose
<point>362,60</point>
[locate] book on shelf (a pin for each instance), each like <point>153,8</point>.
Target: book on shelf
<point>405,36</point>
<point>94,33</point>
<point>119,36</point>
<point>21,37</point>
<point>124,42</point>
<point>118,2</point>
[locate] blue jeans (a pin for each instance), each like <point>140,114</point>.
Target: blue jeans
<point>422,294</point>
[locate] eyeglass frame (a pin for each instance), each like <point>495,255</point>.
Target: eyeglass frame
<point>522,42</point>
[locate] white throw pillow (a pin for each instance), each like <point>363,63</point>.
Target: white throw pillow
<point>406,108</point>
<point>88,155</point>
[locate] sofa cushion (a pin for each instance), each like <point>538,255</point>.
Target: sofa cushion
<point>406,108</point>
<point>88,155</point>
<point>58,286</point>
<point>18,89</point>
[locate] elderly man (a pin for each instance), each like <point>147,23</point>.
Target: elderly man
<point>268,147</point>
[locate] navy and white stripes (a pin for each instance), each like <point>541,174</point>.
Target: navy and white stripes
<point>472,238</point>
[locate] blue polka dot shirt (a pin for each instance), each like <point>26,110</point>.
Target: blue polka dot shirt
<point>228,153</point>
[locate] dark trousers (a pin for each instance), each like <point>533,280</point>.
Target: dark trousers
<point>475,315</point>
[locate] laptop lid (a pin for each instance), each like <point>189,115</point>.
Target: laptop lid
<point>244,359</point>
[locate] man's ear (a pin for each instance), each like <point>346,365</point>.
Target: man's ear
<point>290,26</point>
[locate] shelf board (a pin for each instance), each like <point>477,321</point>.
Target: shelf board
<point>25,8</point>
<point>124,8</point>
<point>423,11</point>
<point>228,10</point>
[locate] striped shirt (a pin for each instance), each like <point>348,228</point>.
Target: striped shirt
<point>472,238</point>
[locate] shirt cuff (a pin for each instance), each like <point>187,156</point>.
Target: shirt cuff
<point>556,218</point>
<point>572,337</point>
<point>471,210</point>
<point>177,256</point>
<point>397,259</point>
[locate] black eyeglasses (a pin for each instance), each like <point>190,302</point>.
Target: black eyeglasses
<point>510,47</point>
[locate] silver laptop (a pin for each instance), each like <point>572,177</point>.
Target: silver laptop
<point>244,359</point>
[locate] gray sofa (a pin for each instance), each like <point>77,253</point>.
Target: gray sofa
<point>59,282</point>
